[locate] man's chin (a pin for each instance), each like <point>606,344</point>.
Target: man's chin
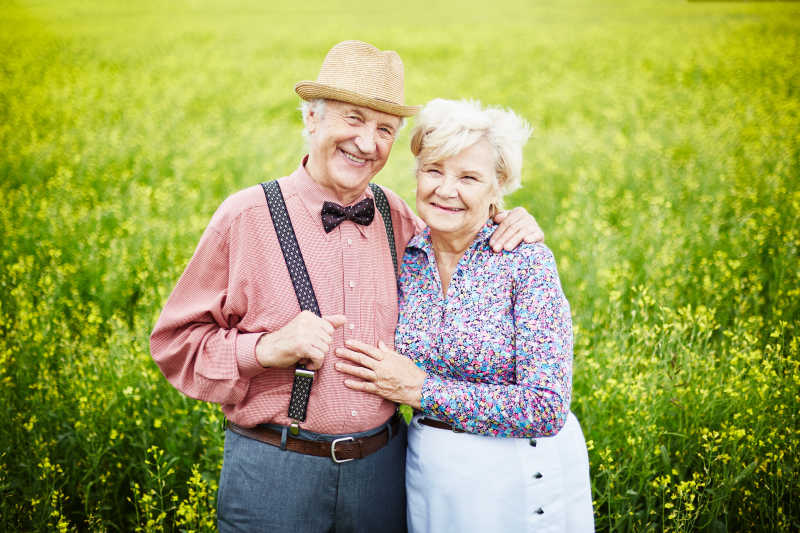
<point>353,181</point>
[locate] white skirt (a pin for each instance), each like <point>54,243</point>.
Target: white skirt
<point>462,482</point>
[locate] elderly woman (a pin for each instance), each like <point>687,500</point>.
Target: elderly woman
<point>487,346</point>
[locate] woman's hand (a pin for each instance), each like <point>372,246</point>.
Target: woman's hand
<point>382,371</point>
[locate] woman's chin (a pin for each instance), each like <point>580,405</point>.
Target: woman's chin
<point>438,225</point>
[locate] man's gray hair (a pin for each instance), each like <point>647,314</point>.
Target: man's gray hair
<point>316,106</point>
<point>447,127</point>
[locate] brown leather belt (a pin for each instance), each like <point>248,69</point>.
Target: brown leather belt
<point>340,450</point>
<point>438,424</point>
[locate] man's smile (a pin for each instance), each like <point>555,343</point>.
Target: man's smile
<point>353,158</point>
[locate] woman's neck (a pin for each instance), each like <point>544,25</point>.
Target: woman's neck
<point>449,249</point>
<point>450,243</point>
<point>445,242</point>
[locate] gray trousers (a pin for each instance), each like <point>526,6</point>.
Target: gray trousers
<point>264,488</point>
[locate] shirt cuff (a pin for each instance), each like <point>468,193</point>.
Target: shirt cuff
<point>246,354</point>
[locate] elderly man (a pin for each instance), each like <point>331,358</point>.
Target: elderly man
<point>284,273</point>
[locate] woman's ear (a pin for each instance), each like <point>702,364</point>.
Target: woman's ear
<point>496,205</point>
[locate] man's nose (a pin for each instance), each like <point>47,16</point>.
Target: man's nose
<point>365,141</point>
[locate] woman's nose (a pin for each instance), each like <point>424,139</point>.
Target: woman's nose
<point>447,188</point>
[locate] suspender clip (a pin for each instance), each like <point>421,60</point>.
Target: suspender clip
<point>302,372</point>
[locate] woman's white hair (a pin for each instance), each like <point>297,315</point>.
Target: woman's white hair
<point>447,127</point>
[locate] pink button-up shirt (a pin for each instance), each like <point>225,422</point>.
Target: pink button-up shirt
<point>237,286</point>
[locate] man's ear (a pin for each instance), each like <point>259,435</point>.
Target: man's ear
<point>312,121</point>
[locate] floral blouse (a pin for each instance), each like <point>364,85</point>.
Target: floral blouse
<point>498,346</point>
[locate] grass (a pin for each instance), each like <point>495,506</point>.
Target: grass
<point>664,169</point>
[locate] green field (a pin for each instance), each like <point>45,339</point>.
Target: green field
<point>664,169</point>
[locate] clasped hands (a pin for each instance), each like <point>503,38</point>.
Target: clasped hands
<point>307,338</point>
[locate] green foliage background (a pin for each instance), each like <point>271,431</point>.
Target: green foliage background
<point>664,169</point>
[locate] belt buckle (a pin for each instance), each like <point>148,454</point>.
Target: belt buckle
<point>333,450</point>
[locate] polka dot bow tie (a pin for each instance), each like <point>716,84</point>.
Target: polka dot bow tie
<point>334,214</point>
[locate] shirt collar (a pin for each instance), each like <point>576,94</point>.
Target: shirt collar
<point>313,195</point>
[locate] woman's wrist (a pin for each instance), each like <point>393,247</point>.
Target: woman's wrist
<point>414,398</point>
<point>414,395</point>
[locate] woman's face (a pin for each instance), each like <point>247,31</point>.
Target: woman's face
<point>454,195</point>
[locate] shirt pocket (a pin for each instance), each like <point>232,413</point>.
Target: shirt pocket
<point>385,321</point>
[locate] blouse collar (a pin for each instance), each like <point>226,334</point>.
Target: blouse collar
<point>422,240</point>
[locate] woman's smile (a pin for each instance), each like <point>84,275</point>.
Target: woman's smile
<point>447,209</point>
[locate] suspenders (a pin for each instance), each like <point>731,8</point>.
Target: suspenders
<point>303,378</point>
<point>382,205</point>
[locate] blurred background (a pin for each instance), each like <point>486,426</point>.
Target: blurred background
<point>664,170</point>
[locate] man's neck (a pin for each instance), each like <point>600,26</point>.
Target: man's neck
<point>343,196</point>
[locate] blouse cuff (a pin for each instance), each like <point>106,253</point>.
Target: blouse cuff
<point>429,403</point>
<point>246,354</point>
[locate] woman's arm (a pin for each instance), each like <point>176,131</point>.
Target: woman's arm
<point>538,403</point>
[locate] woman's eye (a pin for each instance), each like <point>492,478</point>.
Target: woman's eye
<point>469,178</point>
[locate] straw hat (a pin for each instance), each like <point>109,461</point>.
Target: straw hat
<point>358,73</point>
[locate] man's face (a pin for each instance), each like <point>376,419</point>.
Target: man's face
<point>349,144</point>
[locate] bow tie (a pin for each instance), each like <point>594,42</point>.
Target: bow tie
<point>334,214</point>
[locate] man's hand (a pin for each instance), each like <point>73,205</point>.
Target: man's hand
<point>515,226</point>
<point>305,340</point>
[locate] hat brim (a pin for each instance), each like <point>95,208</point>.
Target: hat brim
<point>309,90</point>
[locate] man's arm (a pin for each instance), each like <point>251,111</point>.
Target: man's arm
<point>192,342</point>
<point>515,226</point>
<point>196,342</point>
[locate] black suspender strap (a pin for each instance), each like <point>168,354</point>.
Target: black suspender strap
<point>291,250</point>
<point>382,204</point>
<point>303,378</point>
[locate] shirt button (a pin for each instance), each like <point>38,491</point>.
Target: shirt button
<point>352,326</point>
<point>349,242</point>
<point>353,412</point>
<point>352,284</point>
